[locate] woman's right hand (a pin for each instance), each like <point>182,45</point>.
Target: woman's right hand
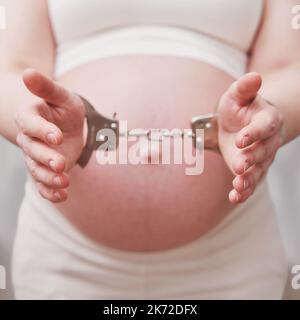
<point>50,134</point>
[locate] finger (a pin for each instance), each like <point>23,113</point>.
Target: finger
<point>255,154</point>
<point>262,126</point>
<point>52,195</point>
<point>45,88</point>
<point>41,153</point>
<point>251,178</point>
<point>245,89</point>
<point>46,176</point>
<point>32,124</point>
<point>239,197</point>
<point>247,180</point>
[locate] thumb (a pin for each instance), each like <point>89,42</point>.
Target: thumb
<point>46,89</point>
<point>245,89</point>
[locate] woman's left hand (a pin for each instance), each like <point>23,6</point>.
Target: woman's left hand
<point>249,134</point>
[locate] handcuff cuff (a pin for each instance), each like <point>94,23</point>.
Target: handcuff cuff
<point>96,122</point>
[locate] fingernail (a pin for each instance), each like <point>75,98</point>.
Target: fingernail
<point>52,164</point>
<point>57,181</point>
<point>57,195</point>
<point>52,138</point>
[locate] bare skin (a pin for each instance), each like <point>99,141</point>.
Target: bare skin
<point>50,130</point>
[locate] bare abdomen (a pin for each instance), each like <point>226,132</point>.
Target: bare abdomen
<point>148,207</point>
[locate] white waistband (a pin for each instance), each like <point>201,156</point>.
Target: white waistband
<point>151,40</point>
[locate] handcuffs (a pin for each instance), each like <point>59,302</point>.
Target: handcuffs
<point>96,122</point>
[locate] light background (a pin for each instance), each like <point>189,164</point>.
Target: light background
<point>284,178</point>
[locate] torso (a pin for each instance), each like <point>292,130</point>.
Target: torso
<point>151,207</point>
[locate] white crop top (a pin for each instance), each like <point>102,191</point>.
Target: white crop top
<point>219,32</point>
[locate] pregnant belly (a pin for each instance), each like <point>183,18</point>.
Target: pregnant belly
<point>148,207</point>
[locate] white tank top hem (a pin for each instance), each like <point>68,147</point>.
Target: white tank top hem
<point>151,40</point>
<point>213,31</point>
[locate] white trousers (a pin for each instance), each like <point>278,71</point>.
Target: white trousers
<point>241,258</point>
